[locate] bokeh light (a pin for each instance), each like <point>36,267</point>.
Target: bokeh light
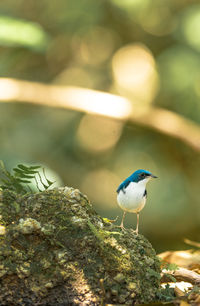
<point>76,76</point>
<point>92,50</point>
<point>98,134</point>
<point>132,4</point>
<point>188,27</point>
<point>175,65</point>
<point>155,17</point>
<point>135,74</point>
<point>180,75</point>
<point>104,184</point>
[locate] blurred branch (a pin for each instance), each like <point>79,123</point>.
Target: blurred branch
<point>192,243</point>
<point>100,103</point>
<point>181,274</point>
<point>185,259</point>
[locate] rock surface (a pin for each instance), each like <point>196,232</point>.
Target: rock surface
<point>56,250</point>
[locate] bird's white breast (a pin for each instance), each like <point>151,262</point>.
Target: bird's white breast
<point>132,199</point>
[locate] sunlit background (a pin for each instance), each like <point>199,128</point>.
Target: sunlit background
<point>147,51</point>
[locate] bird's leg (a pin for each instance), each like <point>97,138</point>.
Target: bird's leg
<point>122,223</point>
<point>136,231</point>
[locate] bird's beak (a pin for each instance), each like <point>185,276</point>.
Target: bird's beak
<point>154,176</point>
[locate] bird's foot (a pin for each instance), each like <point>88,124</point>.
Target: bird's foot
<point>121,226</point>
<point>135,232</point>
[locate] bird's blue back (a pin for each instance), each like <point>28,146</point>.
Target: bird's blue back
<point>135,177</point>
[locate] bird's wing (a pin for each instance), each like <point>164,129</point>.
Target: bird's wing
<point>123,185</point>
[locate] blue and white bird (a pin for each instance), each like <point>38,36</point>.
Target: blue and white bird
<point>132,194</point>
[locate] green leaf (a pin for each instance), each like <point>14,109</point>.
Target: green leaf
<point>26,169</point>
<point>23,167</point>
<point>171,266</point>
<point>21,174</point>
<point>41,181</point>
<point>49,182</point>
<point>2,164</point>
<point>19,32</point>
<point>45,186</point>
<point>35,167</point>
<point>24,181</point>
<point>171,277</point>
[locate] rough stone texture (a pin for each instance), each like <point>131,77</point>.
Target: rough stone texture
<point>56,250</point>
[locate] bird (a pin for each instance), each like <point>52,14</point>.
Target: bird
<point>132,194</point>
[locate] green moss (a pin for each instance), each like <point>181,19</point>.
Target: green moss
<point>55,238</point>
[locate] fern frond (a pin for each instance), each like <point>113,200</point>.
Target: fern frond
<point>21,177</point>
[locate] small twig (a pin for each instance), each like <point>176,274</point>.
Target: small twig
<point>192,243</point>
<point>103,291</point>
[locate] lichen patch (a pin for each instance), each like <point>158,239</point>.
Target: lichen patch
<point>56,249</point>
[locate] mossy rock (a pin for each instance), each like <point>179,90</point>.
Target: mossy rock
<point>56,250</point>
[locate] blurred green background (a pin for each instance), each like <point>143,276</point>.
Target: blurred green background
<point>145,50</point>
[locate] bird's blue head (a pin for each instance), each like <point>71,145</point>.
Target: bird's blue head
<point>136,177</point>
<point>140,175</point>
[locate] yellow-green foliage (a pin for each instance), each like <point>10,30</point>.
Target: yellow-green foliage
<point>56,238</point>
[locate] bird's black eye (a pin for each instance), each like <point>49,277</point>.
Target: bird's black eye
<point>142,174</point>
